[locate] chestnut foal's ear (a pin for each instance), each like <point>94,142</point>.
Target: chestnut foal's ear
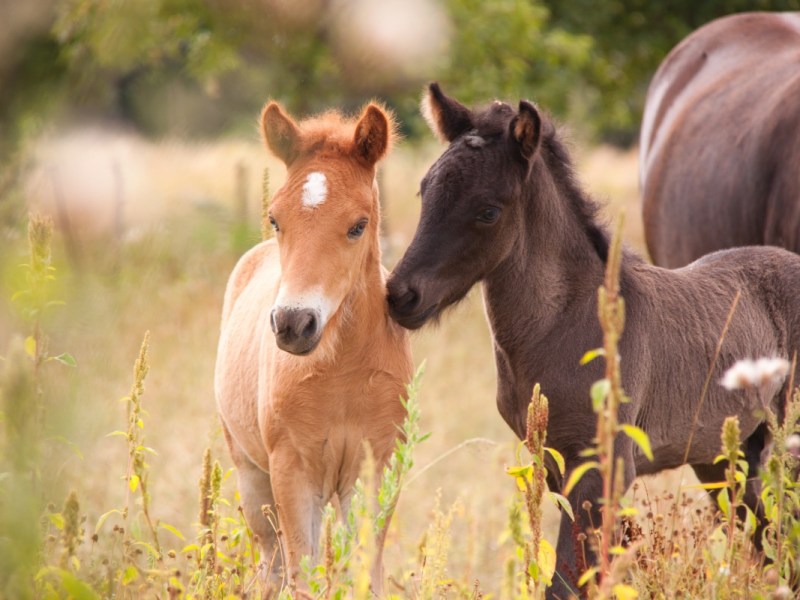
<point>526,129</point>
<point>446,117</point>
<point>280,133</point>
<point>373,134</point>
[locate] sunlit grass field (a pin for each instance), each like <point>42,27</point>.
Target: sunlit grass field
<point>153,230</point>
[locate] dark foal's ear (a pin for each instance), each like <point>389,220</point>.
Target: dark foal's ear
<point>445,116</point>
<point>373,134</point>
<point>280,133</point>
<point>526,130</point>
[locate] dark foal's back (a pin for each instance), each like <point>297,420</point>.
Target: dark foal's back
<point>720,140</point>
<point>501,206</point>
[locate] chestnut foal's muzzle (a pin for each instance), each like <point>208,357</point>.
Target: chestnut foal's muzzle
<point>296,329</point>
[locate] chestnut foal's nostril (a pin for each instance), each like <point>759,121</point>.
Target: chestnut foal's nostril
<point>309,329</point>
<point>272,320</point>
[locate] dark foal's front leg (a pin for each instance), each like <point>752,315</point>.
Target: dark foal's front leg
<point>574,553</point>
<point>576,550</point>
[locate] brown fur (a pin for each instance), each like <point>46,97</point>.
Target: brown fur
<point>501,206</point>
<point>296,425</point>
<point>720,140</point>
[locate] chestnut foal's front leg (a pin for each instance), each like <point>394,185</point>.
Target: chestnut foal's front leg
<point>299,505</point>
<point>255,490</point>
<point>376,571</point>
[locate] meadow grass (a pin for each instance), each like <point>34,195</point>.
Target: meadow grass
<point>84,525</point>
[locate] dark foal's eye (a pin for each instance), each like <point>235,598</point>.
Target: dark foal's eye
<point>488,215</point>
<point>274,223</point>
<point>356,230</point>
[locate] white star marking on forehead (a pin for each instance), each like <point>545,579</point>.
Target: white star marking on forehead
<point>315,190</point>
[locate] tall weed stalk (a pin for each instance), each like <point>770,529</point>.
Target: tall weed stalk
<point>780,495</point>
<point>23,407</point>
<point>537,554</point>
<point>607,396</point>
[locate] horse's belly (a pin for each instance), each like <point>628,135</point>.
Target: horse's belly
<point>687,442</point>
<point>239,363</point>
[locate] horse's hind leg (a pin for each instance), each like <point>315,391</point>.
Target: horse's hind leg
<point>255,490</point>
<point>755,447</point>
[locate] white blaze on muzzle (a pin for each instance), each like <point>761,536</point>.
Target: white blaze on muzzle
<point>311,299</point>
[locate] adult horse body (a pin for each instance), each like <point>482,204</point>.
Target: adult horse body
<point>720,141</point>
<point>501,206</point>
<point>309,364</point>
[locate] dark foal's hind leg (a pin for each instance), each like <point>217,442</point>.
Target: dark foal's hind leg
<point>753,448</point>
<point>756,450</point>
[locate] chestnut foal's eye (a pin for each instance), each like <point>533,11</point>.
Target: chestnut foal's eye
<point>488,215</point>
<point>274,223</point>
<point>356,230</point>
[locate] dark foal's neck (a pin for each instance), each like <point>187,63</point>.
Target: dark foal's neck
<point>547,288</point>
<point>560,249</point>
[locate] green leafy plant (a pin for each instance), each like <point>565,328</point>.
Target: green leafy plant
<point>23,437</point>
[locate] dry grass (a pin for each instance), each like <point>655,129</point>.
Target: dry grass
<point>169,278</point>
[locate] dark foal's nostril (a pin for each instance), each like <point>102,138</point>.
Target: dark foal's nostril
<point>273,323</point>
<point>404,299</point>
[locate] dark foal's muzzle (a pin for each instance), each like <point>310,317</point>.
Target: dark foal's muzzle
<point>406,306</point>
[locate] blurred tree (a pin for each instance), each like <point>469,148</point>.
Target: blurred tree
<point>30,76</point>
<point>197,67</point>
<point>201,67</point>
<point>509,49</point>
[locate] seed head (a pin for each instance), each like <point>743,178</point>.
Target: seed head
<point>730,436</point>
<point>747,373</point>
<point>793,445</point>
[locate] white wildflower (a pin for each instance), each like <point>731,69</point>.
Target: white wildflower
<point>793,445</point>
<point>749,373</point>
<point>782,592</point>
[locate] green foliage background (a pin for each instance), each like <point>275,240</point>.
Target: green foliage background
<point>203,67</point>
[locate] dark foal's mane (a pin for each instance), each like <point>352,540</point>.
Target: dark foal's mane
<point>583,206</point>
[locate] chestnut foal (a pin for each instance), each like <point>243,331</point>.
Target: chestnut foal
<point>310,366</point>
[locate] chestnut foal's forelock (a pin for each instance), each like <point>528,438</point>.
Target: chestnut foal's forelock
<point>323,198</point>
